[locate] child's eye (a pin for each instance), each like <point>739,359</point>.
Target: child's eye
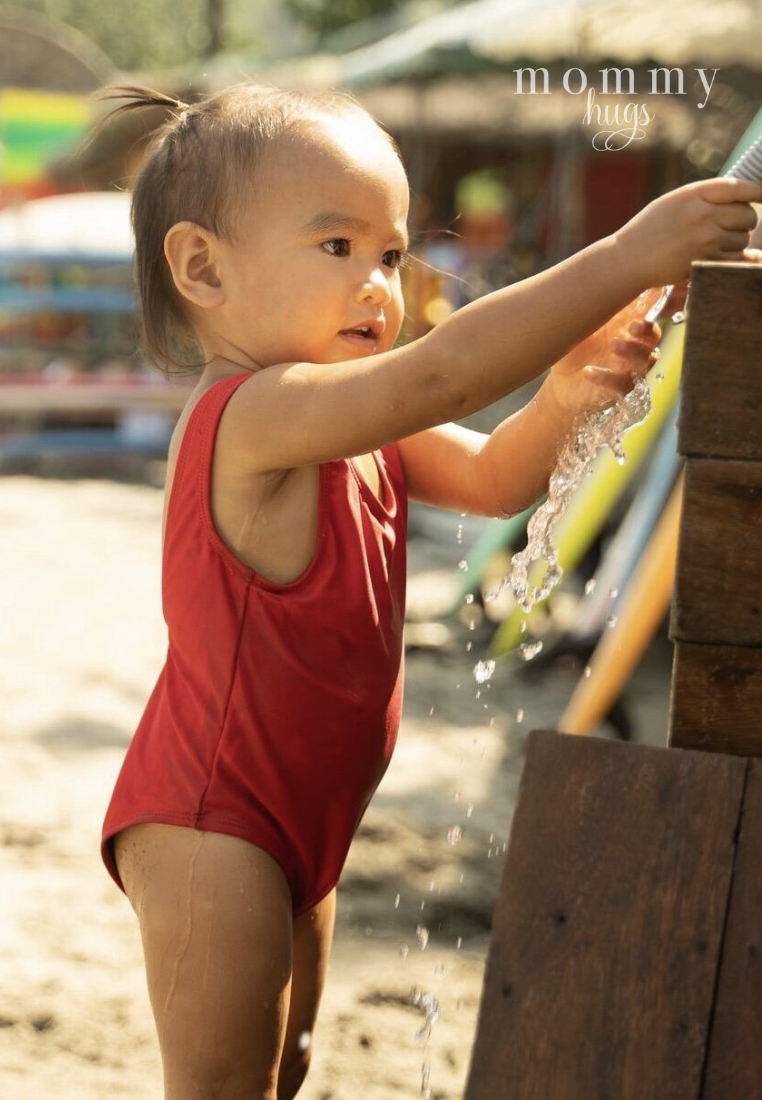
<point>337,246</point>
<point>394,258</point>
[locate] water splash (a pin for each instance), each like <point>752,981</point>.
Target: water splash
<point>593,431</point>
<point>427,1004</point>
<point>483,671</point>
<point>527,650</point>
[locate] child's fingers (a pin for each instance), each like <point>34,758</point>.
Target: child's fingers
<point>612,383</point>
<point>736,215</point>
<point>632,357</point>
<point>644,332</point>
<point>735,241</point>
<point>756,234</point>
<point>725,189</point>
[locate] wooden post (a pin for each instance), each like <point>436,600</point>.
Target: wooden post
<point>626,952</point>
<point>717,607</point>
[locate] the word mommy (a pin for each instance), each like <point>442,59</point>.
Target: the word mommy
<point>580,80</point>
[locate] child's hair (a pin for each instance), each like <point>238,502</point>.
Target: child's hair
<point>198,162</point>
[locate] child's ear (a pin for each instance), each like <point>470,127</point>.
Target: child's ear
<point>190,251</point>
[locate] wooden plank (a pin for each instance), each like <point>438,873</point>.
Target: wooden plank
<point>716,703</point>
<point>722,383</point>
<point>734,1067</point>
<point>718,587</point>
<point>607,931</point>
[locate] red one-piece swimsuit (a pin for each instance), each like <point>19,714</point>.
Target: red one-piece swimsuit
<point>276,713</point>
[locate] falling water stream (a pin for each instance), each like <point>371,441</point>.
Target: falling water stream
<point>593,431</point>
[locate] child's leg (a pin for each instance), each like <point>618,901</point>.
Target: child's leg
<point>216,920</point>
<point>313,933</point>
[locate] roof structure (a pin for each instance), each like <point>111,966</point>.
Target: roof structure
<point>36,52</point>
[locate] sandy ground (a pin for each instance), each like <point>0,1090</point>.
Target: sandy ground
<point>81,641</point>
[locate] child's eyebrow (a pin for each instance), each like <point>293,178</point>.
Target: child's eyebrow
<point>331,221</point>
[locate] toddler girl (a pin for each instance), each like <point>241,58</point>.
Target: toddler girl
<point>270,229</point>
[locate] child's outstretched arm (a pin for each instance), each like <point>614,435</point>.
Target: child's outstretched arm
<point>502,473</point>
<point>300,414</point>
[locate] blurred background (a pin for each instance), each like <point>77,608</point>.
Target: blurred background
<point>503,184</point>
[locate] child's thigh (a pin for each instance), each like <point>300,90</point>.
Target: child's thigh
<point>216,921</point>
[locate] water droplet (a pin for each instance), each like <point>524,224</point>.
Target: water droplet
<point>305,1040</point>
<point>463,564</point>
<point>612,621</point>
<point>679,317</point>
<point>459,943</point>
<point>469,810</point>
<point>588,672</point>
<point>520,715</point>
<point>659,376</point>
<point>527,650</point>
<point>397,901</point>
<point>429,1006</point>
<point>422,935</point>
<point>483,670</point>
<point>454,835</point>
<point>469,599</point>
<point>431,711</point>
<point>590,587</point>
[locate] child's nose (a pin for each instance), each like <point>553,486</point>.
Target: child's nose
<point>375,288</point>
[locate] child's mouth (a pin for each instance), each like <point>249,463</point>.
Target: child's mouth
<point>361,334</point>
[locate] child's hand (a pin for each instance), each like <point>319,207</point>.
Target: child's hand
<point>709,220</point>
<point>578,385</point>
